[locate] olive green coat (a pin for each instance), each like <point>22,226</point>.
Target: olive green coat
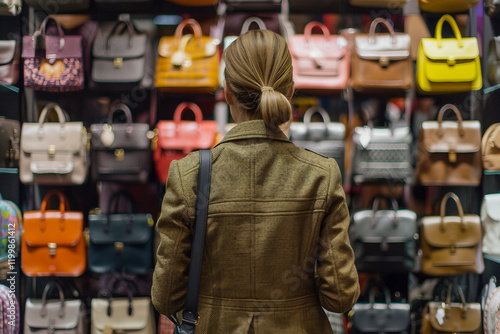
<point>276,212</point>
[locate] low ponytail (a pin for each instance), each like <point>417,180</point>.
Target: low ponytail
<point>275,108</point>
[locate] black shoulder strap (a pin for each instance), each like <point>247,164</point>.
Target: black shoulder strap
<point>190,316</point>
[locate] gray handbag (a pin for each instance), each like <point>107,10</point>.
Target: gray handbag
<point>9,62</point>
<point>384,241</point>
<point>326,138</point>
<point>121,152</point>
<point>492,7</point>
<point>10,7</point>
<point>382,155</point>
<point>10,131</point>
<point>54,316</point>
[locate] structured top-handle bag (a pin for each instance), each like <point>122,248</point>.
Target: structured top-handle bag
<point>448,65</point>
<point>490,219</point>
<point>9,62</point>
<point>490,148</point>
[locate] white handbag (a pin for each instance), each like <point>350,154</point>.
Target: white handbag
<point>490,218</point>
<point>53,153</point>
<point>490,303</point>
<point>10,7</point>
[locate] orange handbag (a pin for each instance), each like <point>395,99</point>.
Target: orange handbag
<point>177,138</point>
<point>53,243</point>
<point>188,63</point>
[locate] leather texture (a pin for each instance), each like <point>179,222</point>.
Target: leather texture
<point>446,6</point>
<point>382,154</point>
<point>10,133</point>
<point>449,152</point>
<point>9,62</point>
<point>187,62</point>
<point>52,243</point>
<point>457,320</point>
<point>55,6</point>
<point>381,63</point>
<point>245,212</point>
<point>178,138</point>
<point>379,3</point>
<point>326,138</point>
<point>320,62</point>
<point>121,152</point>
<point>384,241</point>
<point>11,224</point>
<point>451,245</point>
<point>490,219</point>
<point>490,147</point>
<point>53,153</point>
<point>446,65</point>
<point>492,7</point>
<point>113,315</point>
<point>10,7</point>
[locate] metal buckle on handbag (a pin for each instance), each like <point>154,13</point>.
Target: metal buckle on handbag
<point>192,322</point>
<point>52,248</point>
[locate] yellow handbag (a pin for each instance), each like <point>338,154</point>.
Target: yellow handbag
<point>446,6</point>
<point>447,65</point>
<point>188,63</point>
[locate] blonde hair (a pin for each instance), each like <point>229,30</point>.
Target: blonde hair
<point>259,73</point>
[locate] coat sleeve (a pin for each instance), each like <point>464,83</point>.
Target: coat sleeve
<point>337,281</point>
<point>170,277</point>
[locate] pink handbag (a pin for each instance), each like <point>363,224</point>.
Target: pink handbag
<point>321,63</point>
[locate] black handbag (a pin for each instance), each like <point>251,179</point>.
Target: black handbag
<point>121,242</point>
<point>121,152</point>
<point>10,132</point>
<point>384,241</point>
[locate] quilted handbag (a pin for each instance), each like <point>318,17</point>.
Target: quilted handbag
<point>492,7</point>
<point>384,241</point>
<point>10,7</point>
<point>391,4</point>
<point>490,218</point>
<point>53,63</point>
<point>381,63</point>
<point>321,62</point>
<point>380,317</point>
<point>188,62</point>
<point>10,235</point>
<point>494,60</point>
<point>326,138</point>
<point>446,6</point>
<point>56,6</point>
<point>121,152</point>
<point>490,304</point>
<point>448,65</point>
<point>490,147</point>
<point>52,243</point>
<point>53,153</point>
<point>10,317</point>
<point>449,152</point>
<point>9,62</point>
<point>10,132</point>
<point>451,317</point>
<point>382,154</point>
<point>120,57</point>
<point>49,316</point>
<point>120,241</point>
<point>178,138</point>
<point>451,245</point>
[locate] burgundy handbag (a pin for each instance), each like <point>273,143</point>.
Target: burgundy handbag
<point>53,63</point>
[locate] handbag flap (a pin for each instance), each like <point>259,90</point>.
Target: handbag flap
<point>7,52</point>
<point>453,234</point>
<point>187,136</point>
<point>194,48</point>
<point>380,318</point>
<point>55,47</point>
<point>383,135</point>
<point>334,47</point>
<point>123,46</point>
<point>449,49</point>
<point>317,131</point>
<point>120,319</point>
<point>140,231</point>
<point>492,203</point>
<point>67,139</point>
<point>455,321</point>
<point>383,46</point>
<point>70,320</point>
<point>451,139</point>
<point>384,227</point>
<point>65,232</point>
<point>133,137</point>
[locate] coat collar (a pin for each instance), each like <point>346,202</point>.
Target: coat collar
<point>251,130</point>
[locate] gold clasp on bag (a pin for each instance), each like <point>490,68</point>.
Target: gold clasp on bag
<point>118,62</point>
<point>52,248</point>
<point>383,61</point>
<point>453,249</point>
<point>107,330</point>
<point>119,154</point>
<point>119,247</point>
<point>52,151</point>
<point>452,156</point>
<point>451,61</point>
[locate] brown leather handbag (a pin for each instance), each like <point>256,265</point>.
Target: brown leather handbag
<point>490,147</point>
<point>451,245</point>
<point>449,152</point>
<point>52,243</point>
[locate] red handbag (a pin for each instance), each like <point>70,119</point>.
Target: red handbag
<point>178,138</point>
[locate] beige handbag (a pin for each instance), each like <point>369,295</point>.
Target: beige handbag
<point>451,245</point>
<point>53,153</point>
<point>490,147</point>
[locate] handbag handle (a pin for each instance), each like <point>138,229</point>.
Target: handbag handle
<point>132,30</point>
<point>315,24</point>
<point>459,207</point>
<point>308,115</point>
<point>460,293</point>
<point>109,295</point>
<point>126,110</point>
<point>452,107</point>
<point>395,208</point>
<point>57,109</point>
<point>246,25</point>
<point>439,30</point>
<point>387,296</point>
<point>115,199</point>
<point>63,202</point>
<point>188,105</point>
<point>193,24</point>
<point>373,27</point>
<point>42,33</point>
<point>49,286</point>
